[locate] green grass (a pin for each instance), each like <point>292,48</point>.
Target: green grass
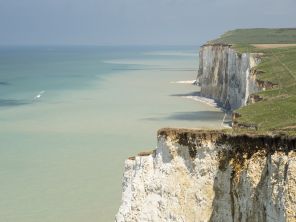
<point>258,36</point>
<point>277,111</point>
<point>244,48</point>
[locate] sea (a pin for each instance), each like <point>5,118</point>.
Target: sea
<point>71,115</point>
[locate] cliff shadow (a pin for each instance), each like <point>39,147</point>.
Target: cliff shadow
<point>194,93</point>
<point>198,116</point>
<point>201,116</point>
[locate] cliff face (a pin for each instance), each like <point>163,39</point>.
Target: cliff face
<point>211,176</point>
<point>227,76</point>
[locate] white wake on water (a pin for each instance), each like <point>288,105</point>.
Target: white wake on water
<point>38,96</point>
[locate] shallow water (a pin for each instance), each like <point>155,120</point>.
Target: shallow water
<point>62,155</point>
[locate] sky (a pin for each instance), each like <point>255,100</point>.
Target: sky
<point>135,22</point>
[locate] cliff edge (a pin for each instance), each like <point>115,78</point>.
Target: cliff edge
<point>197,175</point>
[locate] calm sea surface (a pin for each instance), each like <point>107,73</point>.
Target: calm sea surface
<point>70,116</point>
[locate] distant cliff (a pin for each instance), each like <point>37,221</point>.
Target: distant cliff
<point>196,175</point>
<point>227,76</point>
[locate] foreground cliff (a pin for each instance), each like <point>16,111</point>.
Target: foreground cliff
<point>227,76</point>
<point>198,175</point>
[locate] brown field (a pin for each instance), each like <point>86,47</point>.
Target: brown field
<point>272,46</point>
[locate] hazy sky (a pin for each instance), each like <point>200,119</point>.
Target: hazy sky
<point>135,21</point>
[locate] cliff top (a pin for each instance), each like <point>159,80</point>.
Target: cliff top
<point>213,133</point>
<point>217,44</point>
<point>241,143</point>
<point>258,36</point>
<point>246,142</point>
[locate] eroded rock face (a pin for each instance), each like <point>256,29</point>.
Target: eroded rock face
<point>209,176</point>
<point>227,76</point>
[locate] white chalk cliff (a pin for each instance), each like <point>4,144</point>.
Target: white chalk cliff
<point>197,175</point>
<point>227,76</point>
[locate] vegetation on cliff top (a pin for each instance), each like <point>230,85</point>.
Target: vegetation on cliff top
<point>276,110</point>
<point>258,36</point>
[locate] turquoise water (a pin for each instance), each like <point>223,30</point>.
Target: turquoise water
<point>70,116</point>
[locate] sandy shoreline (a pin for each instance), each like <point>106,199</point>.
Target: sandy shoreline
<point>195,96</point>
<point>185,82</point>
<point>201,99</point>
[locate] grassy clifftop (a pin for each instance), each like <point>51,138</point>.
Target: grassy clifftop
<point>276,110</point>
<point>258,36</point>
